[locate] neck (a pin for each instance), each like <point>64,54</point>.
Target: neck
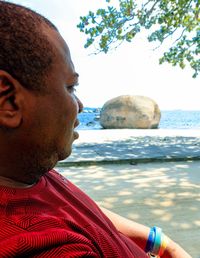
<point>20,172</point>
<point>8,182</point>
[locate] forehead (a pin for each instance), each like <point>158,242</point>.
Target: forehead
<point>62,57</point>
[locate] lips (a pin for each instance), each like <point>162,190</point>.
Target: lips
<point>76,135</point>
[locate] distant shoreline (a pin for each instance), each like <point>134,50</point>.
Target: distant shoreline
<point>170,119</point>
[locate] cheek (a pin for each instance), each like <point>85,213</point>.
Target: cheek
<point>71,109</point>
<point>66,118</point>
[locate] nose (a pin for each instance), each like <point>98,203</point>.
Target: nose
<point>80,105</point>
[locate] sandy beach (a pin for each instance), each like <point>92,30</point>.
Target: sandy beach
<point>165,194</point>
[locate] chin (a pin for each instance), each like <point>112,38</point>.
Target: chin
<point>64,154</point>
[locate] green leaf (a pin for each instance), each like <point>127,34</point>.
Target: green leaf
<point>176,19</point>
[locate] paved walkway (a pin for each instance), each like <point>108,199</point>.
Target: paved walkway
<point>134,146</point>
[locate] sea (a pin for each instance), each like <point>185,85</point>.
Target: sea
<point>173,119</point>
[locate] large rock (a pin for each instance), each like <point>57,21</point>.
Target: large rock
<point>127,111</point>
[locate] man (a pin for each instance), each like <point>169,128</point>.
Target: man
<point>41,213</point>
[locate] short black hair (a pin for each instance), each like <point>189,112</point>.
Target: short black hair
<point>25,52</point>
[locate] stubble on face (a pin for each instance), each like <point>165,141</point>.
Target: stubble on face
<point>59,114</point>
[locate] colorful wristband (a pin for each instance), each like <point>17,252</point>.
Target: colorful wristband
<point>157,242</point>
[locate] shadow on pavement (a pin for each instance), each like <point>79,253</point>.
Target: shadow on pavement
<point>162,194</point>
<point>138,148</point>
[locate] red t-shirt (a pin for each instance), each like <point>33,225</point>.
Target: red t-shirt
<point>56,219</point>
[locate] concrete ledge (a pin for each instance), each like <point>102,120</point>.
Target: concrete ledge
<point>126,161</point>
<point>133,147</point>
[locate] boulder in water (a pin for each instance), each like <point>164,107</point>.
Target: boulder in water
<point>135,112</point>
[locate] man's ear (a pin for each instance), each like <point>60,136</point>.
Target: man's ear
<point>10,109</point>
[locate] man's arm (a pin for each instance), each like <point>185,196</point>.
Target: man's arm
<point>139,234</point>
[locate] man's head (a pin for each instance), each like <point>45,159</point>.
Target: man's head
<point>25,52</point>
<point>38,107</point>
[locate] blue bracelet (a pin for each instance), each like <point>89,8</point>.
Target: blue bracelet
<point>150,241</point>
<point>157,240</point>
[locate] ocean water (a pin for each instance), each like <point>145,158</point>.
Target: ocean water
<point>180,119</point>
<point>175,119</point>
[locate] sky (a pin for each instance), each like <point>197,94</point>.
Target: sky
<point>132,69</point>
